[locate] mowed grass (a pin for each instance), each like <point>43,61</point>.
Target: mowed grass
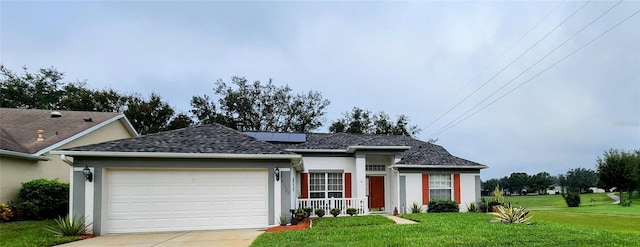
<point>373,220</point>
<point>621,223</point>
<point>30,233</point>
<point>449,229</point>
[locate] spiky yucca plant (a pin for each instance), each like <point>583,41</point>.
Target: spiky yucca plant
<point>69,226</point>
<point>415,208</point>
<point>509,214</point>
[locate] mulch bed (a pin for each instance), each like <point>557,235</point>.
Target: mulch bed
<point>86,236</point>
<point>300,226</point>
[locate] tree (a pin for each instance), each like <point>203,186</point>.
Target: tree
<point>540,182</point>
<point>518,182</point>
<point>361,121</point>
<point>30,90</point>
<point>620,169</point>
<point>260,107</point>
<point>582,179</point>
<point>490,184</point>
<point>45,90</point>
<point>180,121</point>
<point>149,116</point>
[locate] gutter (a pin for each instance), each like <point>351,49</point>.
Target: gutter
<point>438,166</point>
<point>20,155</point>
<point>177,155</point>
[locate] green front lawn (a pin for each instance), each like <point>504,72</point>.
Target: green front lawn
<point>450,229</point>
<point>622,223</point>
<point>30,233</point>
<point>372,220</point>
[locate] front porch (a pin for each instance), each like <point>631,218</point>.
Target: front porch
<point>360,204</point>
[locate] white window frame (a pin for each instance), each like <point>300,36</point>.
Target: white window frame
<point>326,184</point>
<point>437,183</point>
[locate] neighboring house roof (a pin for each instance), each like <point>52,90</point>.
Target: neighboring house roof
<point>419,153</point>
<point>212,138</point>
<point>19,128</point>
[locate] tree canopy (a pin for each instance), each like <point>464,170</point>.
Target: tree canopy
<point>46,90</point>
<point>620,169</point>
<point>361,121</point>
<point>260,106</point>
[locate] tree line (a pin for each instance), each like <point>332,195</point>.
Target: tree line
<point>238,104</point>
<point>615,169</point>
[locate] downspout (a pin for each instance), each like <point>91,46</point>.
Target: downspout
<point>64,158</point>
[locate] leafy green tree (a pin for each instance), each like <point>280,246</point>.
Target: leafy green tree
<point>77,97</point>
<point>490,184</point>
<point>30,90</point>
<point>361,121</point>
<point>620,169</point>
<point>541,182</point>
<point>582,179</point>
<point>518,182</point>
<point>180,121</point>
<point>260,106</point>
<point>149,116</point>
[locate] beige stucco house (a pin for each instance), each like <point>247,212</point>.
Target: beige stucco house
<point>27,136</point>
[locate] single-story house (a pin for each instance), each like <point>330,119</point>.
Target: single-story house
<point>27,136</point>
<point>214,177</point>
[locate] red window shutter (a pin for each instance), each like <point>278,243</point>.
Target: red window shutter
<point>347,185</point>
<point>425,188</point>
<point>304,185</point>
<point>456,187</point>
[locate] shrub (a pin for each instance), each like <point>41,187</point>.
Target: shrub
<point>509,214</point>
<point>497,195</point>
<point>572,197</point>
<point>5,212</point>
<point>282,220</point>
<point>441,206</point>
<point>471,207</point>
<point>416,208</point>
<point>320,212</point>
<point>44,199</point>
<point>69,226</point>
<point>335,212</point>
<point>352,211</point>
<point>625,203</point>
<point>307,211</point>
<point>483,206</point>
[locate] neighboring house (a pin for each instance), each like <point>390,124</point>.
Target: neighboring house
<point>27,136</point>
<point>214,177</point>
<point>557,189</point>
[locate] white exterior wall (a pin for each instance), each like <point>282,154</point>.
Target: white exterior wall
<point>328,163</point>
<point>413,189</point>
<point>467,189</point>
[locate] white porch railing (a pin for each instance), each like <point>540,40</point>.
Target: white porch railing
<point>360,204</point>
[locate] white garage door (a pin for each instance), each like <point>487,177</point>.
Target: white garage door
<point>177,200</point>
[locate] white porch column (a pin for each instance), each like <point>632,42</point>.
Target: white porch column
<point>88,199</point>
<point>360,176</point>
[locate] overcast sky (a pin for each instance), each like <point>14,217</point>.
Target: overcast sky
<point>413,58</point>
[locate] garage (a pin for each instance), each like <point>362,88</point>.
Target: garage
<point>155,200</point>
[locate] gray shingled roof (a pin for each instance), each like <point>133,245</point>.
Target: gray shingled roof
<point>421,153</point>
<point>212,138</point>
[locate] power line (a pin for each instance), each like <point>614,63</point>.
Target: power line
<point>511,63</point>
<point>493,62</point>
<point>544,70</point>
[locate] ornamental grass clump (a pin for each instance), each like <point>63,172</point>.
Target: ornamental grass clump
<point>69,226</point>
<point>512,215</point>
<point>415,208</point>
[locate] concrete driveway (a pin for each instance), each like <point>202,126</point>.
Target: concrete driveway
<point>230,238</point>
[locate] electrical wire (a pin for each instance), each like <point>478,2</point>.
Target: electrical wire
<point>529,68</point>
<point>492,63</point>
<point>512,62</point>
<point>544,70</point>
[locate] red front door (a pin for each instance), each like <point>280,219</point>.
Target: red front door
<point>376,192</point>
